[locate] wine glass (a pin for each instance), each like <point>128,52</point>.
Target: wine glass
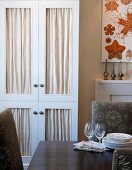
<point>88,130</point>
<point>100,131</point>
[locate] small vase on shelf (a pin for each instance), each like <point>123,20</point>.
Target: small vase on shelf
<point>120,75</point>
<point>106,72</point>
<point>113,75</point>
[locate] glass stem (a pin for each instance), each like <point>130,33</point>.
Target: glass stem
<point>99,140</point>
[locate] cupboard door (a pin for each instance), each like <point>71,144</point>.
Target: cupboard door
<point>26,120</point>
<point>58,121</point>
<point>58,50</point>
<point>19,50</point>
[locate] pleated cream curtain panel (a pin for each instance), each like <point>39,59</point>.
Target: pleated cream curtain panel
<point>22,121</point>
<point>58,70</point>
<point>59,50</point>
<point>18,53</point>
<point>58,124</point>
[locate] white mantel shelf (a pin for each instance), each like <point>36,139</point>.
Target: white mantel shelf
<point>113,90</point>
<point>114,81</point>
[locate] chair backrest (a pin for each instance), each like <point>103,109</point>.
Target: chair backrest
<point>122,159</point>
<point>10,156</point>
<point>117,117</point>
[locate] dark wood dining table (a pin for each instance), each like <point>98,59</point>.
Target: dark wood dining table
<point>62,156</point>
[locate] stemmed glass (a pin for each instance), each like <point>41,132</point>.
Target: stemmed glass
<point>99,131</point>
<point>88,130</point>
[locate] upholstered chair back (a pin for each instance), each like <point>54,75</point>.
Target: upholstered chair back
<point>10,157</point>
<point>117,117</point>
<point>122,159</point>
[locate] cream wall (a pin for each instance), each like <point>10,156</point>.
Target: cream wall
<point>90,66</point>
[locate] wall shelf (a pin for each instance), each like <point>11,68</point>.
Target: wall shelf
<point>114,81</point>
<point>113,90</point>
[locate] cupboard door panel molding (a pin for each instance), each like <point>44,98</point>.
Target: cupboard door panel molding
<point>38,84</point>
<point>19,50</point>
<point>58,109</point>
<point>46,36</point>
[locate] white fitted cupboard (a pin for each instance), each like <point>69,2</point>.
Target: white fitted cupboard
<point>39,69</point>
